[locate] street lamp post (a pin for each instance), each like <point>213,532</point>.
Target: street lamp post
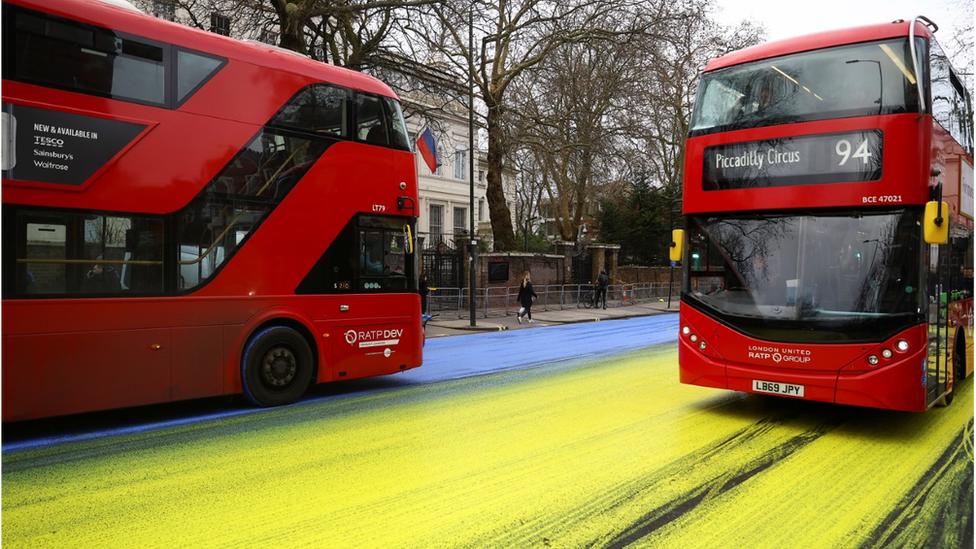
<point>473,254</point>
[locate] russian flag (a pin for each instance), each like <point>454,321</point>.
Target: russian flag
<point>428,149</point>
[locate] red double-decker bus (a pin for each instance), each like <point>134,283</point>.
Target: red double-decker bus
<point>188,215</point>
<point>828,233</point>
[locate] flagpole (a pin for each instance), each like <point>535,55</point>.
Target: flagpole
<point>473,257</point>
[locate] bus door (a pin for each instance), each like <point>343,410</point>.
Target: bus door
<point>374,341</point>
<point>937,380</point>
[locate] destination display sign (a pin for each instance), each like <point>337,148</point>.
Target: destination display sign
<point>800,160</point>
<point>48,146</point>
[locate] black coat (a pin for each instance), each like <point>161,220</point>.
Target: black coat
<point>526,295</point>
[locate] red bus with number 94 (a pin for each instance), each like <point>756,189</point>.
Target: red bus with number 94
<point>827,248</point>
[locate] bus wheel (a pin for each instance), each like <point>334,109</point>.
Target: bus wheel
<point>277,366</point>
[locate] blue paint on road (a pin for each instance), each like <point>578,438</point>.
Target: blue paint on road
<point>463,356</point>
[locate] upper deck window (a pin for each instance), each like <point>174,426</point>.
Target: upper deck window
<point>56,52</point>
<point>859,80</point>
<point>951,104</point>
<point>379,121</point>
<point>192,70</point>
<point>51,51</point>
<point>319,109</point>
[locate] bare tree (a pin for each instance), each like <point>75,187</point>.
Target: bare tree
<point>529,190</point>
<point>674,66</point>
<point>565,119</point>
<point>514,36</point>
<point>962,49</point>
<point>341,32</point>
<point>601,114</point>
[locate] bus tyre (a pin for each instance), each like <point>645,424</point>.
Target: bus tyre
<point>277,366</point>
<point>959,356</point>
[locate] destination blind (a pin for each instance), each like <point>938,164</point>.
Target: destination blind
<point>800,160</point>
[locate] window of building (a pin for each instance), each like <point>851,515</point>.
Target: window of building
<point>164,9</point>
<point>460,165</point>
<point>269,37</point>
<point>460,220</point>
<point>436,223</point>
<point>219,24</point>
<point>440,156</point>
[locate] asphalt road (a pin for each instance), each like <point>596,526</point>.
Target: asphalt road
<point>571,436</point>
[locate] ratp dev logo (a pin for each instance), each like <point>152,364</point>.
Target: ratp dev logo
<point>373,338</point>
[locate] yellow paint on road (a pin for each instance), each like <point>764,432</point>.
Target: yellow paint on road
<point>607,453</point>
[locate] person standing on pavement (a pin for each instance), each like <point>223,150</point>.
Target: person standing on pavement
<point>526,296</point>
<point>602,283</point>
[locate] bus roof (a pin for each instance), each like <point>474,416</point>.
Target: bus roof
<point>817,41</point>
<point>120,18</point>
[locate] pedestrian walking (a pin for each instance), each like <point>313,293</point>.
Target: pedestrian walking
<point>526,296</point>
<point>602,283</point>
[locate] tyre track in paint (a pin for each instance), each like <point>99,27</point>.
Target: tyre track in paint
<point>924,503</point>
<point>716,486</point>
<point>749,445</point>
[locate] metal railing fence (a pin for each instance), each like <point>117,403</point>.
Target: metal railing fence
<point>502,301</point>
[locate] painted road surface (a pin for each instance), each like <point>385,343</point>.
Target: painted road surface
<point>585,448</point>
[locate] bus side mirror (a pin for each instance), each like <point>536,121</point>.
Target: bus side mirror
<point>408,239</point>
<point>677,244</point>
<point>936,229</point>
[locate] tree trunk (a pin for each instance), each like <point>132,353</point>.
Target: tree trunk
<point>291,23</point>
<point>501,217</point>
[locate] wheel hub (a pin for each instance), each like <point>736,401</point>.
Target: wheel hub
<point>279,367</point>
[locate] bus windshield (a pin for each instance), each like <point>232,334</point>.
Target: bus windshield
<point>860,80</point>
<point>808,277</point>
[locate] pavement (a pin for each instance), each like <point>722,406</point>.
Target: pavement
<point>448,324</point>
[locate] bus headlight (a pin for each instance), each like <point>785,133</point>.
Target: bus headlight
<point>701,345</point>
<point>686,330</point>
<point>901,345</point>
<point>886,353</point>
<point>873,360</point>
<point>693,338</point>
